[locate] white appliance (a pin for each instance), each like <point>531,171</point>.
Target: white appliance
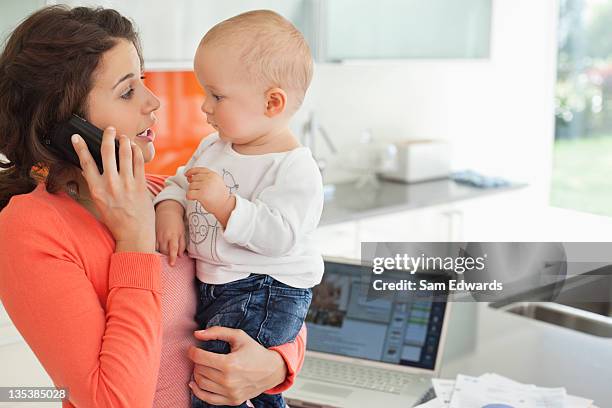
<point>420,160</point>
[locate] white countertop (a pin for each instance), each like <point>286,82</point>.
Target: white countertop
<point>531,351</point>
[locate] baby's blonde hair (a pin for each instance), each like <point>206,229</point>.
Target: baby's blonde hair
<point>272,49</point>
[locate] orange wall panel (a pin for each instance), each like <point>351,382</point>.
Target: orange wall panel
<point>181,125</point>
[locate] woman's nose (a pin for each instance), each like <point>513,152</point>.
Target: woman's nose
<point>153,102</point>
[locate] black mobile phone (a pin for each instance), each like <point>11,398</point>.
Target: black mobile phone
<point>58,141</point>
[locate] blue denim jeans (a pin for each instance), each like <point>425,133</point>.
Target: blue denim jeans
<point>269,311</point>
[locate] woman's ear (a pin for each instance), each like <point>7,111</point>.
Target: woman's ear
<point>276,102</point>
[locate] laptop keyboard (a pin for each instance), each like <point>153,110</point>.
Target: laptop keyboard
<point>358,376</point>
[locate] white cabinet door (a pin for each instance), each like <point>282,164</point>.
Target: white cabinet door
<point>431,224</point>
<point>507,216</point>
<point>171,31</point>
<point>391,29</point>
<point>339,240</point>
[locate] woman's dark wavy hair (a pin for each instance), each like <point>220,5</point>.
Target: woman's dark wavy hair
<point>46,73</point>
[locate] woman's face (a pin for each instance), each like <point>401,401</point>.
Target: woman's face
<point>119,98</point>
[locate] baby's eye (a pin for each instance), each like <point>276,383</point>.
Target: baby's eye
<point>127,94</point>
<point>217,97</point>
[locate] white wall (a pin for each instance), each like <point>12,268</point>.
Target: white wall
<point>497,113</point>
<point>13,12</point>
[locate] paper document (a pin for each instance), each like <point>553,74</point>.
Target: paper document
<point>474,392</point>
<point>496,391</point>
<point>443,389</point>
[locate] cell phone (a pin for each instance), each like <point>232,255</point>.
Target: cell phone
<point>58,141</point>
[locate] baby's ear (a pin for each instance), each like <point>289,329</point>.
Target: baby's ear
<point>276,102</point>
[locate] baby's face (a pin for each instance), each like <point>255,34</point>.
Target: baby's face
<point>233,105</point>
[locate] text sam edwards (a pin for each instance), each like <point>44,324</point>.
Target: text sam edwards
<point>424,284</point>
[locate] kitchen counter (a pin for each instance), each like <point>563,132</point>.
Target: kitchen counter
<point>351,203</point>
<point>531,351</point>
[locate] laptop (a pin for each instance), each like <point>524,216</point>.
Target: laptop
<point>365,349</point>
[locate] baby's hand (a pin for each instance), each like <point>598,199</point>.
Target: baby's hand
<point>170,229</point>
<point>208,188</point>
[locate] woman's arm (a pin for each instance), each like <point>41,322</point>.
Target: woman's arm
<point>103,347</point>
<point>293,354</point>
<point>247,371</point>
<point>105,355</point>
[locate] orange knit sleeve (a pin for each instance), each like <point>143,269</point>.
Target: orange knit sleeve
<point>106,356</point>
<point>293,353</point>
<point>155,183</point>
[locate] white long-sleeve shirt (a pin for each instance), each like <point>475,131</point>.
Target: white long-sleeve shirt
<point>279,200</point>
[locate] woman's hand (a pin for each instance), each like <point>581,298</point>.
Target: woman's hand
<point>230,379</point>
<point>121,197</point>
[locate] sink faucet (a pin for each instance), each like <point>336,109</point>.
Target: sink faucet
<point>309,139</point>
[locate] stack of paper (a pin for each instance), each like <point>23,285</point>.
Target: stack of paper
<point>495,391</point>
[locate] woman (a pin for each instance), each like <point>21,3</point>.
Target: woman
<point>80,277</point>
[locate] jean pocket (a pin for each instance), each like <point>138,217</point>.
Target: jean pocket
<point>229,311</point>
<point>205,294</point>
<point>251,283</point>
<point>285,313</point>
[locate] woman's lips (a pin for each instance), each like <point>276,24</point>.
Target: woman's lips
<point>148,135</point>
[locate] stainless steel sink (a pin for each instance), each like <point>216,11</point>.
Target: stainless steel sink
<point>564,316</point>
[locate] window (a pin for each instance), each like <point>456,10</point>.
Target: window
<point>582,159</point>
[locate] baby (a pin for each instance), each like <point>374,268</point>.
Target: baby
<point>252,196</point>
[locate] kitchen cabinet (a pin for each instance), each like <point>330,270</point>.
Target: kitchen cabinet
<point>400,29</point>
<point>339,240</point>
<point>494,217</point>
<point>336,30</point>
<point>431,224</point>
<point>171,32</point>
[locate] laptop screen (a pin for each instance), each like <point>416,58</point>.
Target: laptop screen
<point>398,328</point>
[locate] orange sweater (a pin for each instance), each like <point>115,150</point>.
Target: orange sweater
<point>91,316</point>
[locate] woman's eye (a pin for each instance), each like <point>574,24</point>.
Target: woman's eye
<point>127,94</point>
